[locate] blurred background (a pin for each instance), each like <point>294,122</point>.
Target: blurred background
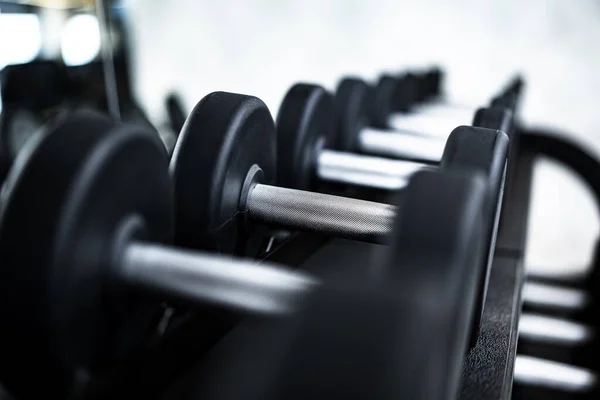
<point>177,51</point>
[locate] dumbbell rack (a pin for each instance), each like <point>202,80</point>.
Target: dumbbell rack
<point>553,145</point>
<point>489,367</point>
<point>169,364</point>
<point>173,367</point>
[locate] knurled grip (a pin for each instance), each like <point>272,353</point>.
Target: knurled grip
<point>333,215</point>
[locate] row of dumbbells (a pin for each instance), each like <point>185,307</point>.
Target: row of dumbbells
<point>559,325</point>
<point>90,206</point>
<point>105,194</point>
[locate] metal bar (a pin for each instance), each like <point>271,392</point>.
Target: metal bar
<point>444,110</point>
<point>366,171</point>
<point>553,375</point>
<point>440,126</point>
<point>110,80</point>
<point>203,278</point>
<point>543,329</point>
<point>555,297</point>
<point>403,144</point>
<point>332,215</point>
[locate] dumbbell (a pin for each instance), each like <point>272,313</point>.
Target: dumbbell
<point>414,116</point>
<point>224,166</point>
<point>222,179</point>
<point>416,88</point>
<point>428,84</point>
<point>87,210</point>
<point>306,119</point>
<point>353,101</point>
<point>405,94</point>
<point>307,136</point>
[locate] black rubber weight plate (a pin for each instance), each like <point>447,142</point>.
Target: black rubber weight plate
<point>436,248</point>
<point>352,99</point>
<point>498,118</point>
<point>483,150</point>
<point>68,193</point>
<point>381,104</point>
<point>304,122</point>
<point>406,93</point>
<point>223,137</point>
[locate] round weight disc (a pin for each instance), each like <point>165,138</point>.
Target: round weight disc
<point>485,151</point>
<point>223,137</point>
<point>498,118</point>
<point>434,82</point>
<point>304,122</point>
<point>436,247</point>
<point>382,101</point>
<point>70,192</point>
<point>478,149</point>
<point>406,93</point>
<point>351,101</point>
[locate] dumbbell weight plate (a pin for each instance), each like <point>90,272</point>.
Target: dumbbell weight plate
<point>351,102</point>
<point>406,91</point>
<point>498,117</point>
<point>358,106</point>
<point>382,101</point>
<point>209,169</point>
<point>305,116</point>
<point>60,223</point>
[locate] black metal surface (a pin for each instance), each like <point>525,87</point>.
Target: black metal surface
<point>512,233</point>
<point>489,366</point>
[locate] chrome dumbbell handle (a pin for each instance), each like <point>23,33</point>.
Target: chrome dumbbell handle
<point>209,278</point>
<point>429,125</point>
<point>367,171</point>
<point>317,212</point>
<point>554,297</point>
<point>537,372</point>
<point>544,329</point>
<point>404,144</point>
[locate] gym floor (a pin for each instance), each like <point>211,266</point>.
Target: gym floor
<point>262,47</point>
